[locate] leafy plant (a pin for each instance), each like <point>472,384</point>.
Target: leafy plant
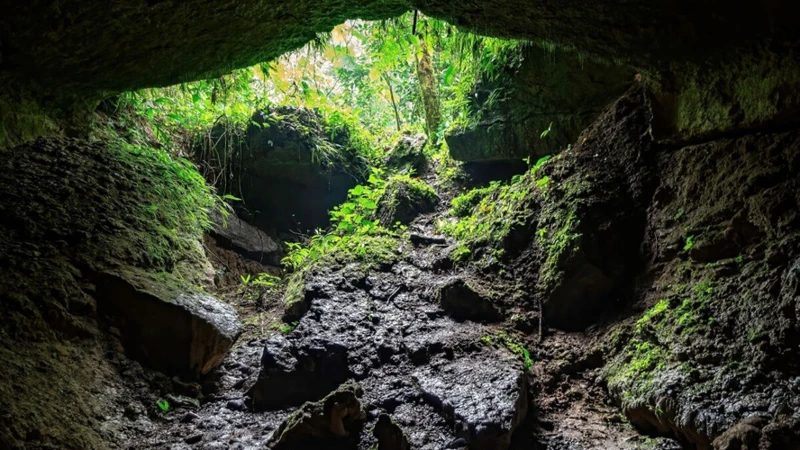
<point>288,327</point>
<point>689,243</point>
<point>246,279</point>
<point>163,405</point>
<point>547,131</point>
<point>501,339</point>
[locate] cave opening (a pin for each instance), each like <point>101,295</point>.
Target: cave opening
<point>399,224</point>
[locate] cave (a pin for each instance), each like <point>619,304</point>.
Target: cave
<point>400,224</point>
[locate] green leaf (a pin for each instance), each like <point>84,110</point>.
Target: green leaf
<point>163,405</point>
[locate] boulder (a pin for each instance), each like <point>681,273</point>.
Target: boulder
<point>337,416</point>
<point>178,332</point>
<point>408,154</point>
<point>288,168</point>
<point>540,91</point>
<point>236,234</point>
<point>389,435</point>
<point>484,422</point>
<point>404,199</point>
<point>462,302</point>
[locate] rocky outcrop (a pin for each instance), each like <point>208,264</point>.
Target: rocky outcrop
<point>287,167</point>
<point>692,255</point>
<point>101,260</point>
<point>462,302</point>
<point>408,154</point>
<point>233,233</point>
<point>336,417</point>
<point>410,358</point>
<point>540,105</point>
<point>178,332</point>
<point>403,200</point>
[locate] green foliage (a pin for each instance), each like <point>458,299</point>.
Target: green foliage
<point>484,217</point>
<point>501,339</point>
<point>163,405</point>
<point>689,243</point>
<point>547,131</point>
<point>647,352</point>
<point>288,327</point>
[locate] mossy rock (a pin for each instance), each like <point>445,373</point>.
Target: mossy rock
<point>289,166</point>
<point>408,154</point>
<point>405,198</point>
<point>538,92</point>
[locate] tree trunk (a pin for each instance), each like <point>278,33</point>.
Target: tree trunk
<point>429,90</point>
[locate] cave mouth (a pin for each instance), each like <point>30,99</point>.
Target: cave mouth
<point>362,240</point>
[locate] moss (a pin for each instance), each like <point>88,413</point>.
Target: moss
<point>364,251</point>
<point>503,340</point>
<point>634,371</point>
<point>752,88</point>
<point>499,209</point>
<point>403,199</point>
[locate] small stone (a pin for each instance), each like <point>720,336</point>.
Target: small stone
<point>236,405</point>
<point>195,438</point>
<point>189,417</point>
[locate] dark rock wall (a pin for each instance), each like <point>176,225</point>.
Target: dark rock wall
<point>539,90</point>
<point>289,169</point>
<point>689,264</point>
<point>88,265</point>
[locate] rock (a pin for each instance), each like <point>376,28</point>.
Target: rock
<point>337,416</point>
<point>236,405</point>
<point>194,439</point>
<point>542,90</point>
<point>745,435</point>
<point>403,200</point>
<point>408,154</point>
<point>487,421</point>
<point>389,435</point>
<point>244,238</point>
<point>421,239</point>
<point>288,168</point>
<point>189,417</point>
<point>178,332</point>
<point>388,332</point>
<point>289,378</point>
<point>462,302</point>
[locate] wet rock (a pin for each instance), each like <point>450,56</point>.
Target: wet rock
<point>421,239</point>
<point>178,332</point>
<point>384,331</point>
<point>236,405</point>
<point>462,302</point>
<point>290,377</point>
<point>189,417</point>
<point>337,416</point>
<point>403,200</point>
<point>408,154</point>
<point>244,238</point>
<point>743,436</point>
<point>542,91</point>
<point>486,421</point>
<point>194,439</point>
<point>389,435</point>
